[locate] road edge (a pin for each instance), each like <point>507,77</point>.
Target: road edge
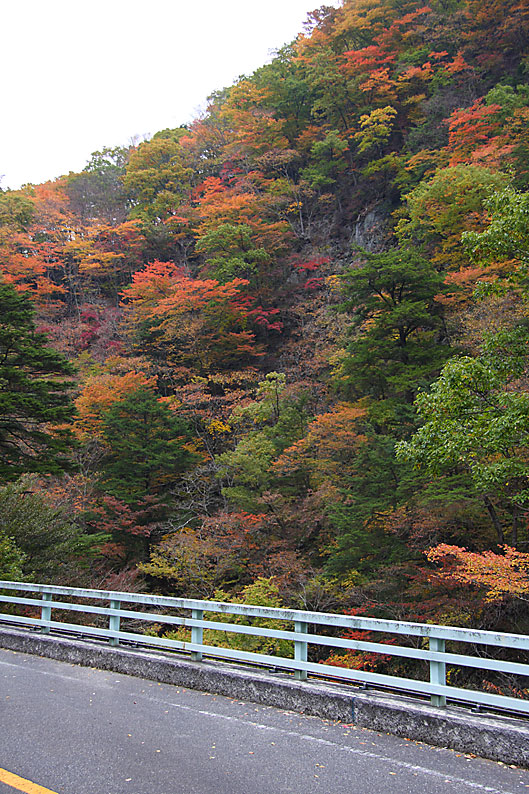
<point>496,737</point>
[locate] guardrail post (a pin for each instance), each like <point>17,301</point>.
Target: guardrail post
<point>197,633</point>
<point>114,621</point>
<point>300,649</point>
<point>437,671</point>
<point>45,612</point>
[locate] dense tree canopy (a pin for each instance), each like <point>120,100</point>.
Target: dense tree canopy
<point>35,404</point>
<point>146,446</point>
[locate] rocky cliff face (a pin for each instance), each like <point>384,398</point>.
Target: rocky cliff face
<point>372,230</point>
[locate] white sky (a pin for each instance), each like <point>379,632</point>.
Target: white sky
<point>77,76</point>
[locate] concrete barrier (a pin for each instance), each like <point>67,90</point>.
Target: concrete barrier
<point>497,737</point>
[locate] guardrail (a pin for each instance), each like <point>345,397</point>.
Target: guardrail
<point>433,638</point>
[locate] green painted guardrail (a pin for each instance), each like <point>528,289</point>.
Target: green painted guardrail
<point>190,613</point>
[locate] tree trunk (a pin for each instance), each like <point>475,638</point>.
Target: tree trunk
<point>515,516</point>
<point>495,520</point>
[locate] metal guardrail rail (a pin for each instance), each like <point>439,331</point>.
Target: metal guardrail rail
<point>433,638</point>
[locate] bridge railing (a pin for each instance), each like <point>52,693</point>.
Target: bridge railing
<point>430,640</point>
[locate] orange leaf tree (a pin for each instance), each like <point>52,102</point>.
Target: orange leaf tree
<point>197,323</point>
<point>501,575</point>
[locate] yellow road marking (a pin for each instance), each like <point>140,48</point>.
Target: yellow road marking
<point>20,784</point>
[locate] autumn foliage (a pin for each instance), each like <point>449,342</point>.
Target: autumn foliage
<point>298,327</point>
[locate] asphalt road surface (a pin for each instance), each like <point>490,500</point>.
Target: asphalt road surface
<point>75,730</point>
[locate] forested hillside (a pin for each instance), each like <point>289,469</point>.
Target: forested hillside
<point>284,351</point>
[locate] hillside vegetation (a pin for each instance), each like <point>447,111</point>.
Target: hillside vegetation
<point>288,345</point>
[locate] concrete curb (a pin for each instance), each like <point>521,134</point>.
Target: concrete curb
<point>489,736</point>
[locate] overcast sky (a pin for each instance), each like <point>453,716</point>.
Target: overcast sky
<point>77,76</point>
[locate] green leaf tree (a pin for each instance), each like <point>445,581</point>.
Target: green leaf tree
<point>477,420</point>
<point>507,234</point>
<point>231,252</point>
<point>398,341</point>
<point>97,192</point>
<point>38,540</point>
<point>147,450</point>
<point>267,426</point>
<point>327,161</point>
<point>11,559</point>
<point>35,404</point>
<point>375,486</point>
<point>157,177</point>
<point>398,344</point>
<point>440,209</point>
<point>375,129</point>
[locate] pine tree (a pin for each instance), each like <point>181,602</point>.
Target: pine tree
<point>398,343</point>
<point>35,404</point>
<point>147,450</point>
